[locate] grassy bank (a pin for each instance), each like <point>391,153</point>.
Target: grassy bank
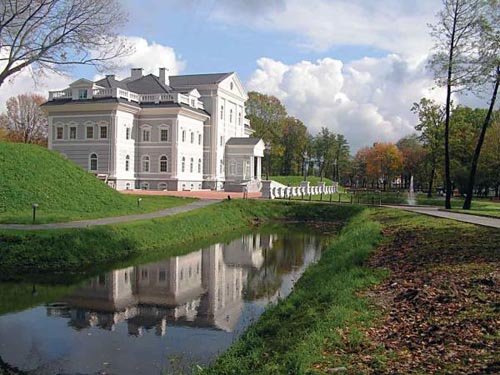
<point>77,251</point>
<point>437,307</point>
<point>63,191</point>
<point>289,337</point>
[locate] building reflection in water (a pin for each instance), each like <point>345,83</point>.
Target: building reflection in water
<point>205,288</point>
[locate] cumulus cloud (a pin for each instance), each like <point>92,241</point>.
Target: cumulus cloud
<point>367,100</point>
<point>24,82</point>
<point>394,25</point>
<point>150,56</point>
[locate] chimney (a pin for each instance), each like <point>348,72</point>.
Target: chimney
<point>136,72</point>
<point>110,76</point>
<point>163,76</point>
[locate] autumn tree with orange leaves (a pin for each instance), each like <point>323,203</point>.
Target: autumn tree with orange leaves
<point>384,161</point>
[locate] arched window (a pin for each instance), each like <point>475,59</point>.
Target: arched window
<point>163,163</point>
<point>162,186</point>
<point>127,186</point>
<point>191,165</point>
<point>93,162</point>
<point>192,137</point>
<point>183,164</point>
<point>145,186</point>
<point>127,163</point>
<point>199,165</point>
<point>145,163</point>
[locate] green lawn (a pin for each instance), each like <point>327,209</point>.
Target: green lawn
<point>128,206</point>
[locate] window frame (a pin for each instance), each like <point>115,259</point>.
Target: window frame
<point>101,128</point>
<point>167,132</point>
<point>127,163</point>
<point>145,159</point>
<point>183,164</point>
<point>87,127</point>
<point>163,159</point>
<point>85,93</point>
<point>60,128</point>
<point>92,160</point>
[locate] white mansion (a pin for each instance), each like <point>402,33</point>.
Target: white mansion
<point>157,132</point>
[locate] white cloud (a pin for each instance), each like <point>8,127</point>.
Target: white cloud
<point>23,83</point>
<point>367,100</point>
<point>392,25</point>
<point>150,56</point>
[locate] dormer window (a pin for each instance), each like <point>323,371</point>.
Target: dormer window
<point>82,94</point>
<point>193,103</point>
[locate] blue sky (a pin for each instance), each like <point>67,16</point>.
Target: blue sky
<point>353,66</point>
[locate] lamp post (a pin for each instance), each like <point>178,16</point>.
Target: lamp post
<point>139,202</point>
<point>321,161</point>
<point>267,151</point>
<point>306,161</point>
<point>34,206</point>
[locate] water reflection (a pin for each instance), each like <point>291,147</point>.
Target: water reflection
<point>221,288</point>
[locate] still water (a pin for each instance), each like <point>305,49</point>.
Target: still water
<point>162,316</point>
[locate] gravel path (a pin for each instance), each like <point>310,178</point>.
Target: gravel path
<point>466,218</point>
<point>111,220</point>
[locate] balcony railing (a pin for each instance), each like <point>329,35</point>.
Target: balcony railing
<point>128,95</point>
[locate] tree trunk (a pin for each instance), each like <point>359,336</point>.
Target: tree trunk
<point>479,145</point>
<point>431,182</point>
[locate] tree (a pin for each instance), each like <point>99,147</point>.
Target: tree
<point>294,140</point>
<point>413,156</point>
<point>360,164</point>
<point>384,162</point>
<point>267,116</point>
<point>430,124</point>
<point>50,35</point>
<point>24,121</point>
<point>490,161</point>
<point>489,61</point>
<point>456,36</point>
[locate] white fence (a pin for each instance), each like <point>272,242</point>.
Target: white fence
<point>272,190</point>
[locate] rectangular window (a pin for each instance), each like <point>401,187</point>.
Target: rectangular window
<point>146,135</point>
<point>90,132</point>
<point>82,94</point>
<point>162,275</point>
<point>127,133</point>
<point>164,135</point>
<point>104,132</point>
<point>183,136</point>
<point>60,133</point>
<point>221,140</point>
<point>72,132</point>
<point>199,139</point>
<point>192,137</point>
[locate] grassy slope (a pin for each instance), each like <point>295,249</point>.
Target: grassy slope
<point>40,252</point>
<point>32,174</point>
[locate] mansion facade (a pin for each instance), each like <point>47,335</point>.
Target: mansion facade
<point>184,132</point>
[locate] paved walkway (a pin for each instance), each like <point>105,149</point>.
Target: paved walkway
<point>466,218</point>
<point>200,194</point>
<point>111,220</point>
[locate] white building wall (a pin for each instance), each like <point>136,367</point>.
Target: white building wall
<point>124,147</point>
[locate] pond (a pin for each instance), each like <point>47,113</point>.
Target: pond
<point>162,316</point>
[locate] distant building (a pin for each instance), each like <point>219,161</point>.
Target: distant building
<point>184,132</point>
